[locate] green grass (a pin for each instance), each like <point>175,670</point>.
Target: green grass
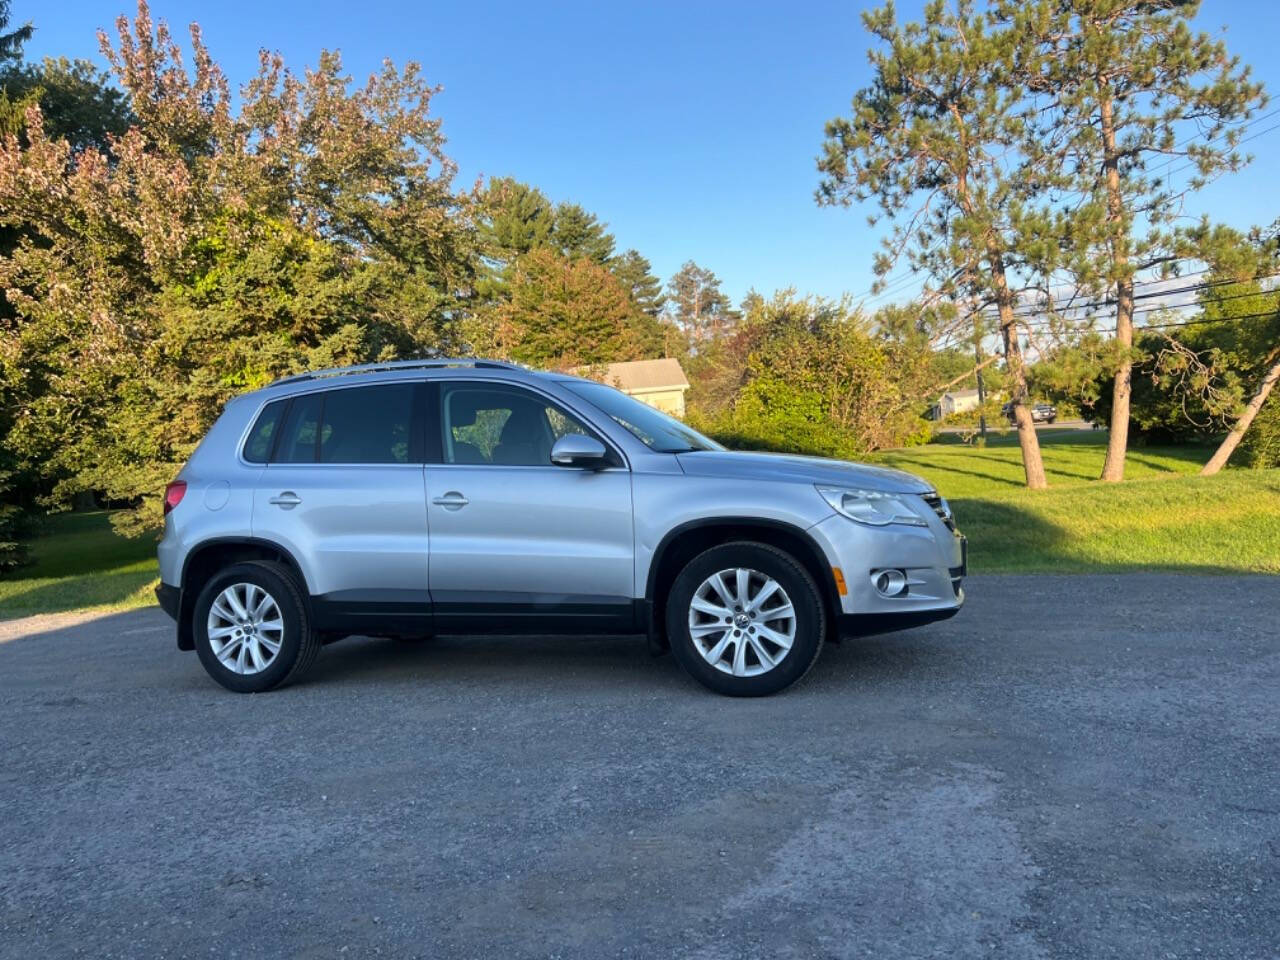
<point>1162,517</point>
<point>79,563</point>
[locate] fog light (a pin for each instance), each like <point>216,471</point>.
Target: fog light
<point>889,583</point>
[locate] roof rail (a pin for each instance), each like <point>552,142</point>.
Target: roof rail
<point>397,365</point>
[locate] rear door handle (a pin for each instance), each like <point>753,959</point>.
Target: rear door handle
<point>452,500</point>
<point>286,500</point>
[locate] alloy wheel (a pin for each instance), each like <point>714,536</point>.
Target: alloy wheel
<point>245,628</point>
<point>742,622</point>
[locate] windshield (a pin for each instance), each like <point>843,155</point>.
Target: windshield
<point>654,429</point>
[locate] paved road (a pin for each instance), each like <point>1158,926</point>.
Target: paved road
<point>1074,767</point>
<point>1001,424</point>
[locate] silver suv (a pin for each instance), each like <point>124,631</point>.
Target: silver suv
<point>472,496</point>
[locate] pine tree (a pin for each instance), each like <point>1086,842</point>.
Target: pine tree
<point>636,275</point>
<point>697,306</point>
<point>932,140</point>
<point>578,234</point>
<point>1122,91</point>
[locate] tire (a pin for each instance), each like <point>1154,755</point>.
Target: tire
<point>234,666</point>
<point>745,674</point>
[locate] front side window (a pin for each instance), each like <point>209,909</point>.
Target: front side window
<point>501,426</point>
<point>353,425</point>
<point>654,429</point>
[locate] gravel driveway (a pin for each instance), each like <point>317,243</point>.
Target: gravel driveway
<point>1073,767</point>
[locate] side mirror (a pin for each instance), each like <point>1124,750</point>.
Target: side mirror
<point>575,450</point>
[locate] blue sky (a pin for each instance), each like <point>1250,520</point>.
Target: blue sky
<point>691,128</point>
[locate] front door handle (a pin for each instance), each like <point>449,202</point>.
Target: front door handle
<point>286,500</point>
<point>452,500</point>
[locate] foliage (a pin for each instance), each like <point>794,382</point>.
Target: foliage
<point>12,41</point>
<point>76,102</point>
<point>818,381</point>
<point>563,313</point>
<point>697,306</point>
<point>635,273</point>
<point>1119,88</point>
<point>214,250</point>
<point>934,141</point>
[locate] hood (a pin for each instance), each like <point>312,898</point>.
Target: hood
<point>796,469</point>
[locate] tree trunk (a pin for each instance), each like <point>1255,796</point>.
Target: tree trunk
<point>1118,439</point>
<point>1232,439</point>
<point>1122,392</point>
<point>1032,462</point>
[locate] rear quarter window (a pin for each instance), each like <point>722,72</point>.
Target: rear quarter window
<point>257,449</point>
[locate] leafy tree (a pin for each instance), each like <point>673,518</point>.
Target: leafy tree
<point>697,306</point>
<point>934,141</point>
<point>1117,86</point>
<point>816,379</point>
<point>75,99</point>
<point>635,273</point>
<point>563,313</point>
<point>216,249</point>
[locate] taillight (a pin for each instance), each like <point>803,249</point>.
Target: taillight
<point>173,494</point>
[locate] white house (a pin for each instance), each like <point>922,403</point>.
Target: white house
<point>659,383</point>
<point>955,401</point>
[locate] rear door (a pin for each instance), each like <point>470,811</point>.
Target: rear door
<point>515,541</point>
<point>344,493</point>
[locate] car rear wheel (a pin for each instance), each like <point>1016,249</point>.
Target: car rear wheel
<point>745,619</point>
<point>251,627</point>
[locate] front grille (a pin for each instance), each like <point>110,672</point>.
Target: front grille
<point>941,508</point>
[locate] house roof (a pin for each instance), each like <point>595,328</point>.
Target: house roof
<point>957,394</point>
<point>646,374</point>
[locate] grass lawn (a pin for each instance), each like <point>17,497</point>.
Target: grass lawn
<point>1163,517</point>
<point>78,562</point>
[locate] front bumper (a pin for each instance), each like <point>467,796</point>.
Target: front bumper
<point>934,559</point>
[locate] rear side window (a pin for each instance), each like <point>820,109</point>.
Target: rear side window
<point>356,425</point>
<point>367,424</point>
<point>257,448</point>
<point>301,430</point>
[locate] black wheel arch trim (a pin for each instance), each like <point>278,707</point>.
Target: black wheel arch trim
<point>826,581</point>
<point>187,597</point>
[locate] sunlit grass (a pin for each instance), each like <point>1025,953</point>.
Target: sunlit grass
<point>1162,517</point>
<point>78,562</point>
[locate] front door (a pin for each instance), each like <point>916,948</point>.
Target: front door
<point>344,493</point>
<point>514,538</point>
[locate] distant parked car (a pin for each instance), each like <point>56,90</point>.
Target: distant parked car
<point>1040,413</point>
<point>469,496</point>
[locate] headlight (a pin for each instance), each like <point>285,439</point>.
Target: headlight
<point>871,506</point>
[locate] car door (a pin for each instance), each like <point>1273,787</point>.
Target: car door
<point>517,543</point>
<point>343,492</point>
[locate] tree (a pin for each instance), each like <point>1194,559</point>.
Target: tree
<point>1252,320</point>
<point>934,141</point>
<point>11,42</point>
<point>576,233</point>
<point>515,218</point>
<point>564,313</point>
<point>1118,85</point>
<point>815,378</point>
<point>76,102</point>
<point>635,273</point>
<point>697,305</point>
<point>216,249</point>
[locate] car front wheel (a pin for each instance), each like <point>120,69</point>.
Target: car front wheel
<point>252,630</point>
<point>745,619</point>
